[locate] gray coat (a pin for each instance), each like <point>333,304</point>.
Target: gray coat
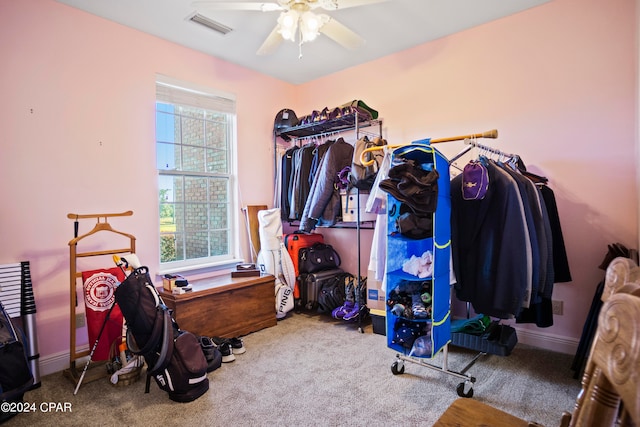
<point>323,206</point>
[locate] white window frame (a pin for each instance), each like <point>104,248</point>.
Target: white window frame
<point>179,93</point>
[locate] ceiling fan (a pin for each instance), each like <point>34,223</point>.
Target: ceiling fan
<point>297,20</point>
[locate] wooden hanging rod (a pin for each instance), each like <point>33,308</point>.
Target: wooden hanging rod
<point>106,215</point>
<point>488,134</point>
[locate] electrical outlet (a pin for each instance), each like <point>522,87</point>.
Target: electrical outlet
<point>557,307</point>
<point>80,320</point>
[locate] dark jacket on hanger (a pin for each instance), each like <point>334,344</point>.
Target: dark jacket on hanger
<point>539,233</point>
<point>541,313</point>
<point>318,154</point>
<point>322,207</point>
<point>286,170</point>
<point>489,246</point>
<point>299,179</point>
<point>561,270</point>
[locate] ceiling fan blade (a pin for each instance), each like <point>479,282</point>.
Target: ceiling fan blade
<point>271,43</point>
<point>341,34</point>
<point>343,4</point>
<point>260,6</point>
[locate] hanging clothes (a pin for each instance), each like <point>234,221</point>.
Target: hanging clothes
<point>539,235</point>
<point>498,238</point>
<point>286,170</point>
<point>491,252</point>
<point>561,270</point>
<point>323,206</point>
<point>318,154</point>
<point>299,183</point>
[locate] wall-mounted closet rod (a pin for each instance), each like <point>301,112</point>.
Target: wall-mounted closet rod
<point>488,134</point>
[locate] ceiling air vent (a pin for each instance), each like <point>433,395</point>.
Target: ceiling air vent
<point>209,23</point>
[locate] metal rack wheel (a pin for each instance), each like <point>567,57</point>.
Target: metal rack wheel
<point>397,368</point>
<point>468,385</point>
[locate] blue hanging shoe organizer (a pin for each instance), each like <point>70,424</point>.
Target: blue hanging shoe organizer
<point>418,312</point>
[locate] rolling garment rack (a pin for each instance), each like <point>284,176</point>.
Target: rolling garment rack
<point>102,225</point>
<point>349,123</point>
<point>419,339</point>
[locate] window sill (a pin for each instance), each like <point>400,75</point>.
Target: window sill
<point>202,270</point>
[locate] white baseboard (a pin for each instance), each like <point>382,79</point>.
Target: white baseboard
<point>58,362</point>
<point>547,341</point>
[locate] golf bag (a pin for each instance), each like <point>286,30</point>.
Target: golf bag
<point>15,374</point>
<point>275,260</point>
<point>174,357</point>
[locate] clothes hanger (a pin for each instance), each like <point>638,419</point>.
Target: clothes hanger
<point>99,226</point>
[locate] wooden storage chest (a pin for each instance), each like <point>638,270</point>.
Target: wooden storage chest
<point>224,306</point>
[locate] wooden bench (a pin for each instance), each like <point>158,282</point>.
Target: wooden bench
<point>224,306</point>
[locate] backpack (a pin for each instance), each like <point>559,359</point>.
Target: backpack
<point>15,375</point>
<point>333,292</point>
<point>175,358</point>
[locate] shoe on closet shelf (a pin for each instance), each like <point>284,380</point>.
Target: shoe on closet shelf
<point>398,309</point>
<point>418,308</point>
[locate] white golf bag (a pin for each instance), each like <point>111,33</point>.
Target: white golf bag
<point>274,259</point>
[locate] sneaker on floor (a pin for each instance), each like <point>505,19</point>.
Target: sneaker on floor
<point>226,351</point>
<point>339,312</point>
<point>211,353</point>
<point>208,348</point>
<point>353,313</point>
<point>237,345</point>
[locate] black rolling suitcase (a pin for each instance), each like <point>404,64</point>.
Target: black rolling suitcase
<point>322,291</point>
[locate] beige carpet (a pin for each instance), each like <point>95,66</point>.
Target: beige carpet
<point>316,371</point>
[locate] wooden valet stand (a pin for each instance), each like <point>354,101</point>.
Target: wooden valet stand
<point>102,225</point>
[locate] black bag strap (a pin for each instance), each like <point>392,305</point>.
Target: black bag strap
<point>152,342</point>
<point>166,350</point>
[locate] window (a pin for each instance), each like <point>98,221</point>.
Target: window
<point>195,152</point>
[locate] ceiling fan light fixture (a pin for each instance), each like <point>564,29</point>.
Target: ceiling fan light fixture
<point>288,24</point>
<point>310,25</point>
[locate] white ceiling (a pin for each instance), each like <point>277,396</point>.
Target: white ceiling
<point>387,27</point>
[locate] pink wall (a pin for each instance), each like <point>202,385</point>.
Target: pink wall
<point>78,137</point>
<point>557,81</point>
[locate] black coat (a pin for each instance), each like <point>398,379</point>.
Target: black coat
<point>490,246</point>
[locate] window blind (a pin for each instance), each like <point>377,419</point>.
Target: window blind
<point>182,93</point>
